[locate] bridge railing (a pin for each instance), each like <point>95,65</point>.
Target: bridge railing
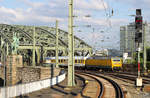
<point>21,89</point>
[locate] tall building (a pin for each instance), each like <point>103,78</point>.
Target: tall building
<point>127,38</point>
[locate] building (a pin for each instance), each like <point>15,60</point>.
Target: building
<point>127,38</point>
<point>103,52</point>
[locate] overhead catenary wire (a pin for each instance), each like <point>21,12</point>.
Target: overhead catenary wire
<point>108,13</point>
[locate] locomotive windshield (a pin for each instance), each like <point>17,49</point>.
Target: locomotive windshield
<point>116,60</point>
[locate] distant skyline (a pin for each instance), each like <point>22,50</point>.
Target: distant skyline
<point>104,31</point>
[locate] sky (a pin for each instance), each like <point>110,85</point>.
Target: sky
<point>104,30</point>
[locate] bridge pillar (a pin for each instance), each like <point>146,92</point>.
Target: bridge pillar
<point>12,62</point>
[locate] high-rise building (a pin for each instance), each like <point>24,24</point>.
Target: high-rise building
<point>127,38</point>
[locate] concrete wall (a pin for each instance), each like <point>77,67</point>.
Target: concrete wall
<point>21,89</point>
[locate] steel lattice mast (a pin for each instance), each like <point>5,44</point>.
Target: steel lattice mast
<point>71,81</point>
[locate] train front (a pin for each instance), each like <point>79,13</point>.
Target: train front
<point>116,63</point>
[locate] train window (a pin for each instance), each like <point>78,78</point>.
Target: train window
<point>62,61</point>
<point>59,61</point>
<point>116,60</point>
<point>76,61</point>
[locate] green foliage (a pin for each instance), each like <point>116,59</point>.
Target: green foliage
<point>148,54</point>
<point>129,61</point>
<point>148,65</point>
<point>135,61</point>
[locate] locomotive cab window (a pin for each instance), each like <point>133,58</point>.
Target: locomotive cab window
<point>116,60</point>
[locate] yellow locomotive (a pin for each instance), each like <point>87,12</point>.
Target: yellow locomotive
<point>98,62</point>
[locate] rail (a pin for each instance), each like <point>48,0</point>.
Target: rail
<point>100,83</point>
<point>119,91</point>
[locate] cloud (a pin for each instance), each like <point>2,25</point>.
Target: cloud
<point>31,4</point>
<point>90,4</point>
<point>46,12</point>
<point>14,16</point>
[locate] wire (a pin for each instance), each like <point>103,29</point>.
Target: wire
<point>108,15</point>
<point>104,7</point>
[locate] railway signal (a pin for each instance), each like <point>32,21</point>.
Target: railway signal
<point>138,40</point>
<point>138,26</point>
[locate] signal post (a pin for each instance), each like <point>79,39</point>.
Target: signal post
<point>138,41</point>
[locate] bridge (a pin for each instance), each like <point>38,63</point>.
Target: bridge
<point>17,67</point>
<point>45,42</point>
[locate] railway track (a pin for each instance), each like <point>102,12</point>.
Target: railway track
<point>107,87</point>
<point>128,77</point>
<point>94,88</point>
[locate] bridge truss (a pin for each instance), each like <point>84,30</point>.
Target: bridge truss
<point>45,42</point>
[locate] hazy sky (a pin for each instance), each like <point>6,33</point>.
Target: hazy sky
<point>104,30</point>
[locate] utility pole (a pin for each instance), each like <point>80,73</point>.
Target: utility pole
<point>144,46</point>
<point>33,54</point>
<point>132,47</point>
<point>94,46</point>
<point>126,42</point>
<point>56,44</point>
<point>71,81</point>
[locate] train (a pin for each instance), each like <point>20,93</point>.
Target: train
<point>79,61</point>
<point>94,62</point>
<point>99,62</point>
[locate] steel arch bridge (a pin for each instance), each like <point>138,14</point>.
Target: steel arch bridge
<point>45,42</point>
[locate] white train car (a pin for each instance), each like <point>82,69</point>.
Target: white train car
<point>79,61</point>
